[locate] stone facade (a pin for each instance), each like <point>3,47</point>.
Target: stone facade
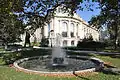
<point>72,29</point>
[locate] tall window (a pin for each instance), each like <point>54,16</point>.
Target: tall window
<point>72,43</point>
<point>72,30</point>
<point>64,29</point>
<point>77,30</point>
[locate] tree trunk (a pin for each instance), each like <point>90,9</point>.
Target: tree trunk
<point>35,39</point>
<point>116,36</point>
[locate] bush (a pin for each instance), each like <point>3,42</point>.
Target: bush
<point>9,58</point>
<point>35,52</point>
<point>71,48</point>
<point>91,45</point>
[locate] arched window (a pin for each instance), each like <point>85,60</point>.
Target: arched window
<point>65,43</point>
<point>72,30</point>
<point>64,29</point>
<point>72,43</point>
<point>64,26</point>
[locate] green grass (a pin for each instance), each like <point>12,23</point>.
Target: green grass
<point>113,61</point>
<point>7,73</point>
<point>1,49</point>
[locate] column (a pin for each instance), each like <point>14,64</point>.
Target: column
<point>52,24</point>
<point>46,30</point>
<point>59,26</point>
<point>81,32</point>
<point>69,24</point>
<point>75,30</point>
<point>68,42</point>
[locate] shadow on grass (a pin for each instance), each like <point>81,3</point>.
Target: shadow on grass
<point>80,76</point>
<point>110,71</point>
<point>115,56</point>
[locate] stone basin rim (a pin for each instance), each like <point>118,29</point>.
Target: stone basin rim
<point>16,66</point>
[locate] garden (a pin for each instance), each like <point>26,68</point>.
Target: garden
<point>9,73</point>
<point>91,59</point>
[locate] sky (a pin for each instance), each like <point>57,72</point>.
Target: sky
<point>87,15</point>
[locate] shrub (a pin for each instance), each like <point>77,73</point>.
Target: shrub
<point>9,58</point>
<point>35,52</point>
<point>91,45</point>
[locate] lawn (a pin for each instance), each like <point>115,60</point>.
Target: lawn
<point>8,73</point>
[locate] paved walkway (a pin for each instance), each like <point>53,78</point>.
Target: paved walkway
<point>82,51</point>
<point>95,52</point>
<point>77,51</point>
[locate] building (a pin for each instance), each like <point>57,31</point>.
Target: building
<point>71,29</point>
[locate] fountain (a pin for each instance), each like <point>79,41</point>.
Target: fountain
<point>58,63</point>
<point>58,55</point>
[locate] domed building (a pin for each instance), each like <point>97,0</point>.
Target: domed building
<point>71,30</point>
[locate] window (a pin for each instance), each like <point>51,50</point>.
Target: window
<point>72,43</point>
<point>65,43</point>
<point>64,29</point>
<point>64,34</point>
<point>72,34</point>
<point>72,30</point>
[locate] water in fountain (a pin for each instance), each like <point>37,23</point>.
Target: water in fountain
<point>58,54</point>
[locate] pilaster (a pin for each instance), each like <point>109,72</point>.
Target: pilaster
<point>69,24</point>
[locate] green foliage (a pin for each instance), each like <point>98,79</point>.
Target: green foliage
<point>109,19</point>
<point>35,52</point>
<point>1,49</point>
<point>35,44</point>
<point>9,58</point>
<point>91,45</point>
<point>90,38</point>
<point>10,28</point>
<point>7,6</point>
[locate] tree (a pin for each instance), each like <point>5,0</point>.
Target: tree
<point>110,18</point>
<point>10,28</point>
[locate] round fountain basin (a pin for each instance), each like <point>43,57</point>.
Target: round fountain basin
<point>43,65</point>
